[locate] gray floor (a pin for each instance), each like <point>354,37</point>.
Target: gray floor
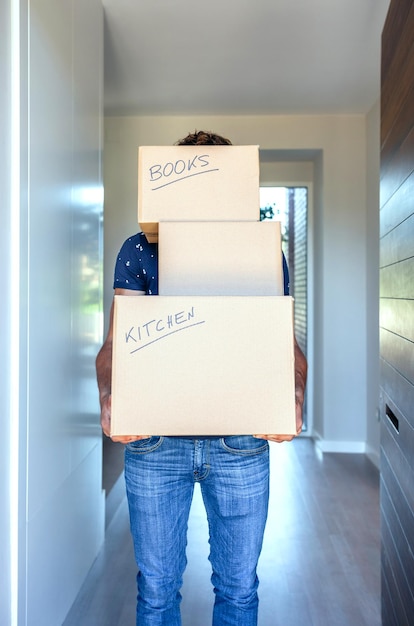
<point>320,564</point>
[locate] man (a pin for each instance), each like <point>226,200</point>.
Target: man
<point>160,474</point>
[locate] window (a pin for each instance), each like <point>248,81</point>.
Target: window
<point>289,205</point>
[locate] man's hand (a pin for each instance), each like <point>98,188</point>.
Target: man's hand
<point>106,415</point>
<point>106,424</point>
<point>104,374</point>
<point>301,369</point>
<point>299,396</point>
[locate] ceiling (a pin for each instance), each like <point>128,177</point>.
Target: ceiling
<point>242,57</point>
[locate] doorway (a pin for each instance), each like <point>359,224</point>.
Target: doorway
<point>289,205</point>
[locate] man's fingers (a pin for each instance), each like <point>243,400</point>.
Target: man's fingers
<point>128,438</point>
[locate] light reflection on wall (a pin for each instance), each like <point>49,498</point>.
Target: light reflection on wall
<point>87,315</point>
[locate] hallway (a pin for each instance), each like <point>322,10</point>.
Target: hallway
<point>320,564</point>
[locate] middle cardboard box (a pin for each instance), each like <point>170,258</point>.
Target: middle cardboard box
<point>203,365</point>
<point>220,258</point>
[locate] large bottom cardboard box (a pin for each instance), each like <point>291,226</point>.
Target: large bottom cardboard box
<point>203,365</point>
<point>220,259</point>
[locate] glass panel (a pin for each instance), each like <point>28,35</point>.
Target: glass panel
<point>289,205</point>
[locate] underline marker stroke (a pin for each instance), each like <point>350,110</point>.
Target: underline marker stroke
<point>178,180</point>
<point>167,335</point>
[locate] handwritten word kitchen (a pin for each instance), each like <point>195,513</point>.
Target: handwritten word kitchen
<point>156,329</point>
<point>169,173</point>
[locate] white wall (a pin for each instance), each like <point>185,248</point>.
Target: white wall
<point>338,143</point>
<point>286,172</point>
<point>59,454</point>
<point>372,252</point>
<point>5,322</point>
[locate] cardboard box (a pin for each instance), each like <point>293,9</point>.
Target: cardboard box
<point>220,258</point>
<point>200,365</point>
<point>191,183</point>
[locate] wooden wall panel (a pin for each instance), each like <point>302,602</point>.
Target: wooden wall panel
<point>398,208</point>
<point>397,85</point>
<point>391,533</point>
<point>397,120</point>
<point>397,280</point>
<point>401,394</point>
<point>399,614</point>
<point>397,519</point>
<point>397,169</point>
<point>397,244</point>
<point>402,471</point>
<point>397,537</point>
<point>396,19</point>
<point>397,352</point>
<point>397,314</point>
<point>389,616</point>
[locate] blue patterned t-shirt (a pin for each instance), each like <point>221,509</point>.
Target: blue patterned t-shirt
<point>137,266</point>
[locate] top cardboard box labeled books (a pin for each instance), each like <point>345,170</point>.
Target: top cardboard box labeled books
<point>192,183</point>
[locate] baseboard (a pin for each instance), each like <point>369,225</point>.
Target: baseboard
<point>373,455</point>
<point>347,447</point>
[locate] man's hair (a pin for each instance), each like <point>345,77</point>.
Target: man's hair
<point>203,138</point>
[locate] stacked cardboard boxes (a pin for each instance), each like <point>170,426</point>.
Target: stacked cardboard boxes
<point>212,354</point>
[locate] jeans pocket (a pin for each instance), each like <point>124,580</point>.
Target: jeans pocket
<point>244,445</point>
<point>144,446</point>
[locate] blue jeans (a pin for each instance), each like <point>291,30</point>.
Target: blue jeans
<point>233,473</point>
